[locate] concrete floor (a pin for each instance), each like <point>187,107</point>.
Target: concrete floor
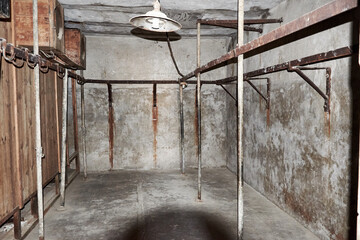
<point>134,205</point>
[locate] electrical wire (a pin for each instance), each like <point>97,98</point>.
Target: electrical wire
<point>172,56</point>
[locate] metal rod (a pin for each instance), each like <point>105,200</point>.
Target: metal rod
<point>17,224</point>
<point>311,83</point>
<point>111,127</point>
<point>325,12</point>
<point>198,93</point>
<point>228,93</point>
<point>63,139</point>
<point>257,90</point>
<point>83,127</point>
<point>182,129</point>
<point>240,90</point>
<point>99,81</point>
<point>38,124</point>
<point>234,23</point>
<point>75,122</point>
<point>253,29</point>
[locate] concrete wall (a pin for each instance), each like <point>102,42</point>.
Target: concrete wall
<point>294,161</point>
<point>134,58</point>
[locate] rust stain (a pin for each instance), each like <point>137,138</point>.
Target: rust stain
<point>196,124</point>
<point>267,118</point>
<point>260,98</point>
<point>155,115</point>
<point>111,136</point>
<point>292,202</point>
<point>111,127</point>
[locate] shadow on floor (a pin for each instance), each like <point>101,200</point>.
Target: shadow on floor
<point>178,225</point>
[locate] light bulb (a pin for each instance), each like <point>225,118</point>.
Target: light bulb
<point>155,23</point>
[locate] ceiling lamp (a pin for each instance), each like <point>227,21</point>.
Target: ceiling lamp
<point>155,21</point>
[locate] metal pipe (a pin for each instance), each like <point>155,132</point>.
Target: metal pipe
<point>229,93</point>
<point>111,127</point>
<point>198,91</point>
<point>323,13</point>
<point>182,130</point>
<point>311,83</point>
<point>63,139</point>
<point>257,90</point>
<point>100,81</point>
<point>38,125</point>
<point>240,90</point>
<point>83,127</point>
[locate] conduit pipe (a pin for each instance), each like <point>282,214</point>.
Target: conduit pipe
<point>38,125</point>
<point>198,102</point>
<point>240,90</point>
<point>63,139</point>
<point>83,127</point>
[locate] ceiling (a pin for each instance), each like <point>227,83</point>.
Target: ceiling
<point>112,16</point>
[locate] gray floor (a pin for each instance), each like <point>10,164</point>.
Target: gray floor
<point>133,205</point>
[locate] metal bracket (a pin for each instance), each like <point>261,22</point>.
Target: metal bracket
<point>227,91</point>
<point>326,95</point>
<point>268,88</point>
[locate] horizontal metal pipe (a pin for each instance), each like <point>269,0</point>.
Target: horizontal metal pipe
<point>325,12</point>
<point>234,23</point>
<point>99,81</point>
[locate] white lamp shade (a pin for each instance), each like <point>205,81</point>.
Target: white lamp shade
<point>155,21</point>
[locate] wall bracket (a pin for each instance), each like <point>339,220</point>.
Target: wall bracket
<point>268,88</point>
<point>326,95</point>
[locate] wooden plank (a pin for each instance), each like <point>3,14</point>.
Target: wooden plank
<point>51,24</point>
<point>8,189</point>
<point>49,122</point>
<point>75,49</point>
<point>26,123</point>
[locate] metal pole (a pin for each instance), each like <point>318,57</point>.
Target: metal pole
<point>38,125</point>
<point>198,91</point>
<point>240,90</point>
<point>63,139</point>
<point>182,130</point>
<point>83,127</point>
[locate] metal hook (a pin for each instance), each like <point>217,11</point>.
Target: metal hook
<point>12,51</point>
<point>44,68</point>
<point>18,65</point>
<point>58,71</point>
<point>29,63</point>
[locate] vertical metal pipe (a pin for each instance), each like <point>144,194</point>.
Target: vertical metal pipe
<point>63,139</point>
<point>182,130</point>
<point>198,91</point>
<point>83,127</point>
<point>240,90</point>
<point>38,124</point>
<point>111,127</point>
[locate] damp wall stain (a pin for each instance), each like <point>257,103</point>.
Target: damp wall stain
<point>295,162</point>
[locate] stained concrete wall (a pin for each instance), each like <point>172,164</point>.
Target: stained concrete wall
<point>134,58</point>
<point>295,161</point>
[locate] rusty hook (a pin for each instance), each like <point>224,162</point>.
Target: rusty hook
<point>12,51</point>
<point>44,68</point>
<point>29,63</point>
<point>58,71</point>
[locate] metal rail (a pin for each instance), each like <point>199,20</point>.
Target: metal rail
<point>325,12</point>
<point>13,54</point>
